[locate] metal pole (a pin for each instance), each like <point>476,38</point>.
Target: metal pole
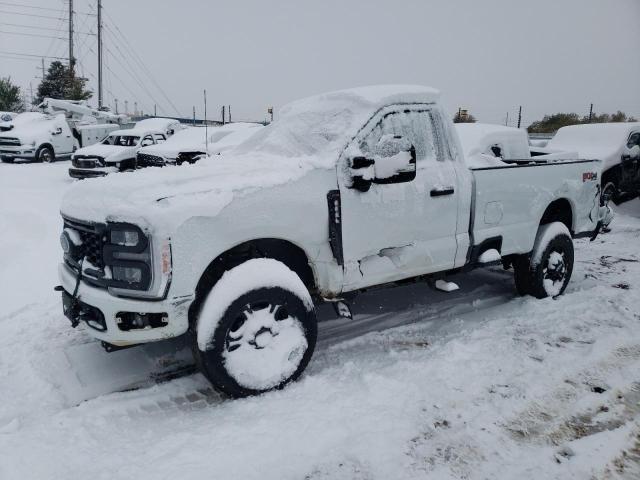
<point>155,110</point>
<point>519,116</point>
<point>71,60</point>
<point>506,122</point>
<point>590,113</point>
<point>223,114</point>
<point>116,100</point>
<point>194,115</point>
<point>99,53</point>
<point>229,113</point>
<point>206,125</point>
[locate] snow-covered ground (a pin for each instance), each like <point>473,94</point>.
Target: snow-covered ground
<point>476,383</point>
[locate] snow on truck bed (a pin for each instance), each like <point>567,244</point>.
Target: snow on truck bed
<point>310,133</point>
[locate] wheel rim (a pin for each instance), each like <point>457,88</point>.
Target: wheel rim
<point>264,346</point>
<point>554,273</point>
<point>609,190</point>
<point>46,156</point>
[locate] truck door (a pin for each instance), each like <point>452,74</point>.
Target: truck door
<point>61,137</point>
<point>398,199</point>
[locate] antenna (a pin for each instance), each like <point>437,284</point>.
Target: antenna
<point>206,125</point>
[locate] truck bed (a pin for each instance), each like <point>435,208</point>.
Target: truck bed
<point>509,201</point>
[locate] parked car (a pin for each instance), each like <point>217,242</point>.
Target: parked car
<point>486,145</point>
<point>168,126</point>
<point>35,136</point>
<point>345,191</point>
<point>616,144</point>
<point>190,144</point>
<point>116,153</point>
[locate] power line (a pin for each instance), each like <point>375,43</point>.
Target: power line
<point>32,35</point>
<point>32,55</point>
<point>24,5</point>
<point>135,55</point>
<point>32,15</point>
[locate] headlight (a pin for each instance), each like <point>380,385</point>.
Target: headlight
<point>125,238</point>
<point>127,274</point>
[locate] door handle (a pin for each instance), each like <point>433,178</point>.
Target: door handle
<point>441,191</point>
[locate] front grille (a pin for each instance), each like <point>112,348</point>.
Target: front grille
<point>9,142</point>
<point>189,157</point>
<point>92,241</point>
<point>145,160</point>
<point>86,161</point>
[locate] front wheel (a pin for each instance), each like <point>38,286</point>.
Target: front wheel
<point>257,329</point>
<point>547,271</point>
<point>46,155</point>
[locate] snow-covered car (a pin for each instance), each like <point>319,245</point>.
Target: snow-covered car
<point>116,153</point>
<point>487,145</point>
<point>345,191</point>
<point>190,144</point>
<point>35,136</point>
<point>616,144</point>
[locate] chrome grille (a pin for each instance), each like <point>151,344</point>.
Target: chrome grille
<point>9,142</point>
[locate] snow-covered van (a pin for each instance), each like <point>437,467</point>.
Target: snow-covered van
<point>191,144</point>
<point>35,136</point>
<point>7,116</point>
<point>116,153</point>
<point>616,144</point>
<point>345,191</point>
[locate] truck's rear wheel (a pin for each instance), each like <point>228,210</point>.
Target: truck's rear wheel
<point>257,329</point>
<point>46,155</point>
<point>550,265</point>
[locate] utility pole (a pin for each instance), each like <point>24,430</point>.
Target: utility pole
<point>506,121</point>
<point>135,108</point>
<point>519,116</point>
<point>126,107</point>
<point>590,113</point>
<point>223,114</point>
<point>194,115</point>
<point>229,113</point>
<point>99,54</point>
<point>206,125</point>
<point>116,100</point>
<point>155,110</point>
<point>71,60</point>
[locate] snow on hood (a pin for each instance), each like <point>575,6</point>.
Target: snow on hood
<point>309,134</point>
<point>602,141</point>
<point>103,151</point>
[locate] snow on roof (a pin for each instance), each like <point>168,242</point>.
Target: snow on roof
<point>156,123</point>
<point>603,141</point>
<point>325,123</point>
<point>136,132</point>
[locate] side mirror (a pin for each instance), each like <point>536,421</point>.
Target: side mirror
<point>395,160</point>
<point>361,173</point>
<point>146,143</point>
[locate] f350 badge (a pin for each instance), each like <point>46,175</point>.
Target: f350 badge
<point>589,176</point>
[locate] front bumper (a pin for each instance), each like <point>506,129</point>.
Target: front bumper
<point>21,152</point>
<point>111,308</point>
<point>91,172</point>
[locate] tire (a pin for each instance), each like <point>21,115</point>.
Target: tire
<point>611,189</point>
<point>7,160</point>
<point>551,262</point>
<point>46,155</point>
<point>263,339</point>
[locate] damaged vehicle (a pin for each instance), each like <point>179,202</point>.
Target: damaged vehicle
<point>343,192</point>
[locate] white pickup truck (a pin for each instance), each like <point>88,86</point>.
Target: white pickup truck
<point>345,191</point>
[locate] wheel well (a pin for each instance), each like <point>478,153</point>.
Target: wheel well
<point>282,250</point>
<point>559,211</point>
<point>43,145</point>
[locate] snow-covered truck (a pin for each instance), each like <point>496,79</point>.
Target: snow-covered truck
<point>616,144</point>
<point>345,191</point>
<point>64,127</point>
<point>117,152</point>
<point>193,143</point>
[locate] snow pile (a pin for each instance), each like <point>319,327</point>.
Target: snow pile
<point>477,140</point>
<point>251,275</point>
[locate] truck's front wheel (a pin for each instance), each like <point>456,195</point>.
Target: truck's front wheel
<point>257,329</point>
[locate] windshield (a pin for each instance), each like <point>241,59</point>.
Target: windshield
<point>121,140</point>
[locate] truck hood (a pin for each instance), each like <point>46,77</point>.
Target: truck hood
<point>108,152</point>
<point>161,199</point>
<point>30,132</point>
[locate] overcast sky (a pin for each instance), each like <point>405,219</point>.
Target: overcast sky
<point>489,56</point>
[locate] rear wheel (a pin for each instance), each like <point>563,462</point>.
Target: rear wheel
<point>46,155</point>
<point>265,335</point>
<point>547,271</point>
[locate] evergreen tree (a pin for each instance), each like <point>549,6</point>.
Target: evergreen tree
<point>10,100</point>
<point>61,83</point>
